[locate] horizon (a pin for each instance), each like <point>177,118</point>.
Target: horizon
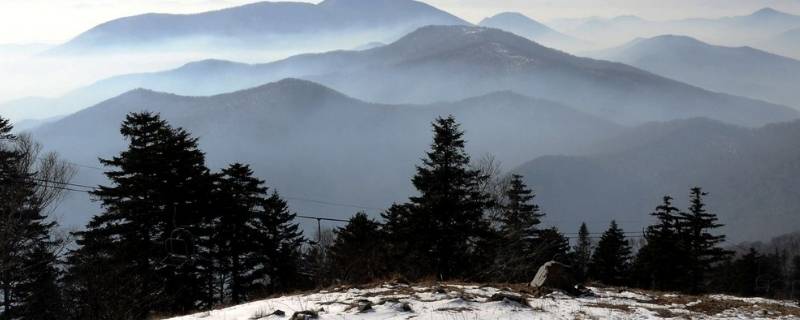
<point>47,23</point>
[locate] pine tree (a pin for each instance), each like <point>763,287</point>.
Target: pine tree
<point>551,245</point>
<point>28,274</point>
<point>794,278</point>
<point>448,215</point>
<point>359,253</point>
<point>154,216</point>
<point>41,297</point>
<point>658,262</point>
<point>396,227</point>
<point>521,250</point>
<point>279,241</point>
<point>235,246</point>
<point>702,247</point>
<point>582,253</point>
<point>610,260</point>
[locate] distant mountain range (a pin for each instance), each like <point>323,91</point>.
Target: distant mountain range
<point>522,25</point>
<point>786,43</point>
<point>310,141</point>
<point>749,173</point>
<point>446,63</point>
<point>262,24</point>
<point>742,71</point>
<point>749,29</point>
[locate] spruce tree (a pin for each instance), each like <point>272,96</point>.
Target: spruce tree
<point>28,274</point>
<point>447,217</point>
<point>551,245</point>
<point>239,197</point>
<point>521,249</point>
<point>582,252</point>
<point>40,294</point>
<point>279,246</point>
<point>255,241</point>
<point>658,264</point>
<point>702,247</point>
<point>154,217</point>
<point>794,278</point>
<point>396,228</point>
<point>358,252</point>
<point>610,260</point>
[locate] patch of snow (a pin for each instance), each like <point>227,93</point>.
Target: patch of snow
<point>466,302</point>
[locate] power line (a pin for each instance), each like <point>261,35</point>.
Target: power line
<point>334,203</point>
<point>322,219</point>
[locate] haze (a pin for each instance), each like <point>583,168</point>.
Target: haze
<point>46,21</point>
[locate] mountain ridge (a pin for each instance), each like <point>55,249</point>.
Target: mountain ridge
<point>259,20</point>
<point>305,138</point>
<point>745,170</point>
<point>742,70</point>
<point>450,63</point>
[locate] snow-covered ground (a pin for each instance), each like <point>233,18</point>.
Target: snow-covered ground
<point>468,302</point>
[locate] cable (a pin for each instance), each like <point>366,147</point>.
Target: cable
<point>323,219</point>
<point>334,203</point>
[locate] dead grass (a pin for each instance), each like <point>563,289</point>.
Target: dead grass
<point>610,306</point>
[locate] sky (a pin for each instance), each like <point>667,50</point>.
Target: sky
<point>56,21</point>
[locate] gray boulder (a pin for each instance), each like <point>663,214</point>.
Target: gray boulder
<point>554,275</point>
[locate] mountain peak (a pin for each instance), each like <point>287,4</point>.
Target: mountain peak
<point>767,11</point>
<point>674,39</point>
<point>515,22</point>
<point>293,88</point>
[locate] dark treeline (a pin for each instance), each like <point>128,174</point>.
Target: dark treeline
<point>174,237</point>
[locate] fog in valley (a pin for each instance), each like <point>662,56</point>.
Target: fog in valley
<point>332,103</point>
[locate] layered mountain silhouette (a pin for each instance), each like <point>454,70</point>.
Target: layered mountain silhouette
<point>522,25</point>
<point>749,174</point>
<point>310,141</point>
<point>786,43</point>
<point>741,70</point>
<point>446,63</point>
<point>260,23</point>
<point>736,30</point>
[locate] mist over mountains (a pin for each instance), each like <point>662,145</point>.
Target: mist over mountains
<point>748,172</point>
<point>307,140</point>
<point>446,63</point>
<point>261,24</point>
<point>522,25</point>
<point>736,70</point>
<point>688,105</point>
<point>750,29</point>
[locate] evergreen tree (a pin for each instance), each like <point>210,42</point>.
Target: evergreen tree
<point>155,213</point>
<point>702,247</point>
<point>521,249</point>
<point>41,297</point>
<point>582,252</point>
<point>280,241</point>
<point>358,253</point>
<point>794,278</point>
<point>396,227</point>
<point>610,260</point>
<point>235,245</point>
<point>658,262</point>
<point>551,245</point>
<point>28,274</point>
<point>447,217</point>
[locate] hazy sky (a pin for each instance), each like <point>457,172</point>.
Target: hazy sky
<point>53,21</point>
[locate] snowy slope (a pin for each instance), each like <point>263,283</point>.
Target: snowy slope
<point>450,302</point>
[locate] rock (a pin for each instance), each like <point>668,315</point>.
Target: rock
<point>509,297</point>
<point>304,315</point>
<point>364,306</point>
<point>279,313</point>
<point>403,307</point>
<point>555,275</point>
